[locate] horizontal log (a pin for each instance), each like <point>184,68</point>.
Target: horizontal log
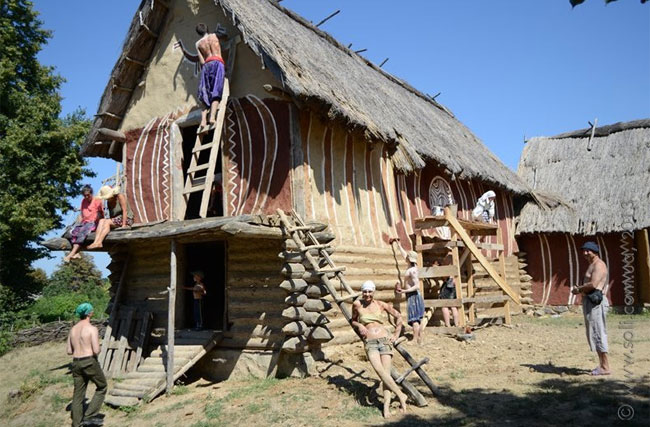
<point>318,305</point>
<point>316,291</point>
<point>342,338</point>
<point>296,328</point>
<point>111,134</point>
<point>292,270</point>
<point>314,318</point>
<point>294,313</point>
<point>437,303</point>
<point>319,334</point>
<point>293,285</point>
<point>250,343</point>
<point>263,267</point>
<point>442,271</point>
<point>275,321</point>
<point>486,299</point>
<point>295,345</point>
<point>296,299</point>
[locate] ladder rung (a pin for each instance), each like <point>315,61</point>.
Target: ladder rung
<point>198,168</point>
<point>349,297</point>
<point>308,248</point>
<point>203,147</point>
<point>331,270</point>
<point>411,369</point>
<point>194,189</point>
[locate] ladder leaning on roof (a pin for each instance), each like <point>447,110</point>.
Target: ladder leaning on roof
<point>203,183</point>
<point>295,227</point>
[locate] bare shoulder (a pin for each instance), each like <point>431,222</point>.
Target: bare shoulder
<point>601,266</point>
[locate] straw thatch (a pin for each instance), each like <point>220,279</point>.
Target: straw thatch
<point>317,70</point>
<point>605,180</point>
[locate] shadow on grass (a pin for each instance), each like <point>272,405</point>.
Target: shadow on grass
<point>554,402</point>
<point>363,394</point>
<point>558,370</point>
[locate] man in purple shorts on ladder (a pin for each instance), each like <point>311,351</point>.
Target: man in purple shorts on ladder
<point>212,75</point>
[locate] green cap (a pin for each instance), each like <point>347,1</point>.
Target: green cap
<point>83,310</point>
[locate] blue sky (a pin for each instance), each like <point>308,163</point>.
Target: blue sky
<point>507,69</point>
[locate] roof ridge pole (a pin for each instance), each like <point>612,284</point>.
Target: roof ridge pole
<point>593,131</point>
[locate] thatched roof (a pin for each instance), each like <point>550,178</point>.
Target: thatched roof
<point>605,180</point>
<point>317,70</point>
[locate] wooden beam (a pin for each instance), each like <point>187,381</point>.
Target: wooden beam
<point>171,314</point>
<point>438,303</point>
<point>453,222</point>
<point>109,114</point>
<point>437,271</point>
<point>113,134</point>
<point>135,61</point>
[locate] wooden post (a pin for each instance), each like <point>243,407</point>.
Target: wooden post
<point>455,261</point>
<point>469,268</point>
<point>171,314</point>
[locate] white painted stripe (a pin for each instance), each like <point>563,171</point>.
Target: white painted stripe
<point>310,170</point>
<point>331,171</point>
<point>541,251</point>
<point>322,171</point>
<point>345,187</point>
<point>136,182</point>
<point>373,228</point>
<point>358,230</point>
<point>407,208</point>
<point>260,106</point>
<point>165,171</point>
<point>374,194</point>
<point>576,264</point>
<point>233,176</point>
<point>571,282</point>
<point>550,269</point>
<point>385,195</point>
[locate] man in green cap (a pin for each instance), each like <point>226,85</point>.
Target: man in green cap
<point>83,346</point>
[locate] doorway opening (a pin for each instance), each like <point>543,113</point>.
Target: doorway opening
<point>210,259</point>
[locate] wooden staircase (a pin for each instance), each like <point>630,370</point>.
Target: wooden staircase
<point>149,379</point>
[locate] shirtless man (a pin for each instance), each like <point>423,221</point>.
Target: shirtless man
<point>595,314</point>
<point>212,74</point>
<point>83,346</point>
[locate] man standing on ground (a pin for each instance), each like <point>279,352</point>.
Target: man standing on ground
<point>83,345</point>
<point>595,313</point>
<point>212,76</point>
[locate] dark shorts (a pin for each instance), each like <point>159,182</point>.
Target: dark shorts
<point>381,345</point>
<point>447,292</point>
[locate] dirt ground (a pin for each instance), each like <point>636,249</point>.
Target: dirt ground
<point>534,373</point>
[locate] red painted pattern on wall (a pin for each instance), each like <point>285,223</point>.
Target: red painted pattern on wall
<point>555,263</point>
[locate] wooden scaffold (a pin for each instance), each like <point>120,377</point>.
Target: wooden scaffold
<point>465,236</point>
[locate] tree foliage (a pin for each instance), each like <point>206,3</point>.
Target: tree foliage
<point>40,165</point>
<point>71,284</point>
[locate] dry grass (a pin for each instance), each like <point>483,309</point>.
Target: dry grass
<point>531,374</point>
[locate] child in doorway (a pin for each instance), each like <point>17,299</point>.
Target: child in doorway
<point>198,292</point>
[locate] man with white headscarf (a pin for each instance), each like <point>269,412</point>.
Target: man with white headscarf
<point>485,208</point>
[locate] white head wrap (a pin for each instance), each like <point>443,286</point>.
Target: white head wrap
<point>368,285</point>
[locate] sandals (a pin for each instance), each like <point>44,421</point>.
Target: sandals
<point>598,372</point>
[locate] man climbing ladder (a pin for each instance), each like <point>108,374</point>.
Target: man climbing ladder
<point>212,75</point>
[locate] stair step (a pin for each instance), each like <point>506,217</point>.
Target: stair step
<point>134,386</point>
<point>121,400</point>
<point>128,393</point>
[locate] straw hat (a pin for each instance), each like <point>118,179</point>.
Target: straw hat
<point>108,192</point>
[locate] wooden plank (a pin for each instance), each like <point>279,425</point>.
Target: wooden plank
<point>123,333</point>
<point>171,324</point>
<point>479,256</point>
<point>455,261</point>
<point>486,299</point>
<point>469,271</point>
<point>438,303</point>
<point>142,338</point>
<point>507,318</point>
<point>438,271</point>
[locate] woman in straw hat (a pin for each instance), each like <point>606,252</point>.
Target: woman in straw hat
<point>368,319</point>
<point>117,207</point>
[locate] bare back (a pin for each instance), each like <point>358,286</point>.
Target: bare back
<point>83,340</point>
<point>208,46</point>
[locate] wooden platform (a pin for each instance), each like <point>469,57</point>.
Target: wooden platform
<point>148,380</point>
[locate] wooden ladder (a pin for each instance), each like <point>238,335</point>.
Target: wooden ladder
<point>300,232</point>
<point>209,139</point>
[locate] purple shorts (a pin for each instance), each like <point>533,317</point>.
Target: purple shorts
<point>80,232</point>
<point>211,82</point>
<point>117,221</point>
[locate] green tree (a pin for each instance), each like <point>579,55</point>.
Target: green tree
<point>40,165</point>
<point>71,284</point>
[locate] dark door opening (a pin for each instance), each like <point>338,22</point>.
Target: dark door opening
<point>215,207</point>
<point>209,257</point>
